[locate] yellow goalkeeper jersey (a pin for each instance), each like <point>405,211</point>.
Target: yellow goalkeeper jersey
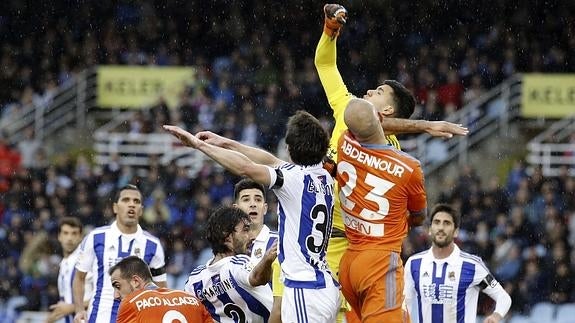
<point>338,97</point>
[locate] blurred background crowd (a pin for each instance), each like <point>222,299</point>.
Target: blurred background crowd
<point>254,63</point>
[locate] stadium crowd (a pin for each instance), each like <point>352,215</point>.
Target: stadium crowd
<point>255,68</point>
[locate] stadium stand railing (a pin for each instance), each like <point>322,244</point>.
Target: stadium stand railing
<point>69,106</point>
<point>551,149</point>
<point>490,113</point>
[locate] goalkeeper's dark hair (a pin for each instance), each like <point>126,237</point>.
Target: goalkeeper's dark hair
<point>246,184</point>
<point>404,99</point>
<point>446,208</point>
<point>306,138</point>
<point>221,223</point>
<point>130,266</point>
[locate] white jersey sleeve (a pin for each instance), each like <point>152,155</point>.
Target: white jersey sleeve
<point>87,255</point>
<point>241,267</point>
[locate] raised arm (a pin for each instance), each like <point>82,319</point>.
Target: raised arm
<point>326,65</point>
<point>256,155</point>
<point>231,160</point>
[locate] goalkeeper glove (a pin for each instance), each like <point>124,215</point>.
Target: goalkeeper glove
<point>335,18</point>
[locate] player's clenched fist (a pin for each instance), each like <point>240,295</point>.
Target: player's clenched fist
<point>335,18</point>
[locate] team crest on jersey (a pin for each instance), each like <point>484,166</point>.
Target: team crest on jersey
<point>451,276</point>
<point>258,253</point>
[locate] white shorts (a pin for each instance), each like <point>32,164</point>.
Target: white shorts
<point>304,305</point>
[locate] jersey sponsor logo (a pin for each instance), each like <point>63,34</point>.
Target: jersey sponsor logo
<point>445,293</point>
<point>157,301</point>
<point>372,161</point>
<point>364,227</point>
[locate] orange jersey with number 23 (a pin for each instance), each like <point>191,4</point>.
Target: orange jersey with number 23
<point>379,186</point>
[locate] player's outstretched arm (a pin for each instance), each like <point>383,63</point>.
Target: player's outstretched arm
<point>443,129</point>
<point>325,59</point>
<point>256,155</point>
<point>233,161</point>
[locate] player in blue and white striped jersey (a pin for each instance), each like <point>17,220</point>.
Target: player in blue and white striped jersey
<point>105,246</point>
<point>69,236</point>
<point>442,284</point>
<point>305,194</point>
<point>229,285</point>
<point>250,196</point>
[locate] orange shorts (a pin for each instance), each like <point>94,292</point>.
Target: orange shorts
<point>372,282</point>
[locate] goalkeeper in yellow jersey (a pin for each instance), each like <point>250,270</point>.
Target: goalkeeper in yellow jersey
<point>391,99</point>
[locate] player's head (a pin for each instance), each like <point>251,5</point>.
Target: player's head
<point>69,234</point>
<point>362,119</point>
<point>444,225</point>
<point>251,198</point>
<point>392,99</point>
<point>128,206</point>
<point>228,231</point>
<point>128,275</point>
<point>307,141</point>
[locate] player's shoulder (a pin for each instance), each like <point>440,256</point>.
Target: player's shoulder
<point>287,166</point>
<point>417,256</point>
<point>404,157</point>
<point>151,237</point>
<point>240,260</point>
<point>273,234</point>
<point>198,270</point>
<point>101,229</point>
<point>469,257</point>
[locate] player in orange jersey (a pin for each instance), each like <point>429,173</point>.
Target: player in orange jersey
<point>382,193</point>
<point>144,301</point>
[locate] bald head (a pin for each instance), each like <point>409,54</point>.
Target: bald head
<point>362,120</point>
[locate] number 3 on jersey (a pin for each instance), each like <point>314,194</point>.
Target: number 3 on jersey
<point>379,186</point>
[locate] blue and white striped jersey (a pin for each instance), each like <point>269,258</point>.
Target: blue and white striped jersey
<point>305,211</point>
<point>65,279</point>
<point>446,290</point>
<point>104,247</point>
<point>262,243</point>
<point>224,288</point>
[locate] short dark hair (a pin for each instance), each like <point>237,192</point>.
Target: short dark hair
<point>123,188</point>
<point>306,138</point>
<point>404,100</point>
<point>221,223</point>
<point>441,207</point>
<point>132,265</point>
<point>71,221</point>
<point>246,184</point>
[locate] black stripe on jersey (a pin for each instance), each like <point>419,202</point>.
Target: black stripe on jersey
<point>279,179</point>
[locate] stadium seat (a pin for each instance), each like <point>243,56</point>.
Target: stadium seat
<point>565,313</point>
<point>543,312</point>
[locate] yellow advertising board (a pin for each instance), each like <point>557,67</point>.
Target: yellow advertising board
<point>548,95</point>
<point>141,86</point>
